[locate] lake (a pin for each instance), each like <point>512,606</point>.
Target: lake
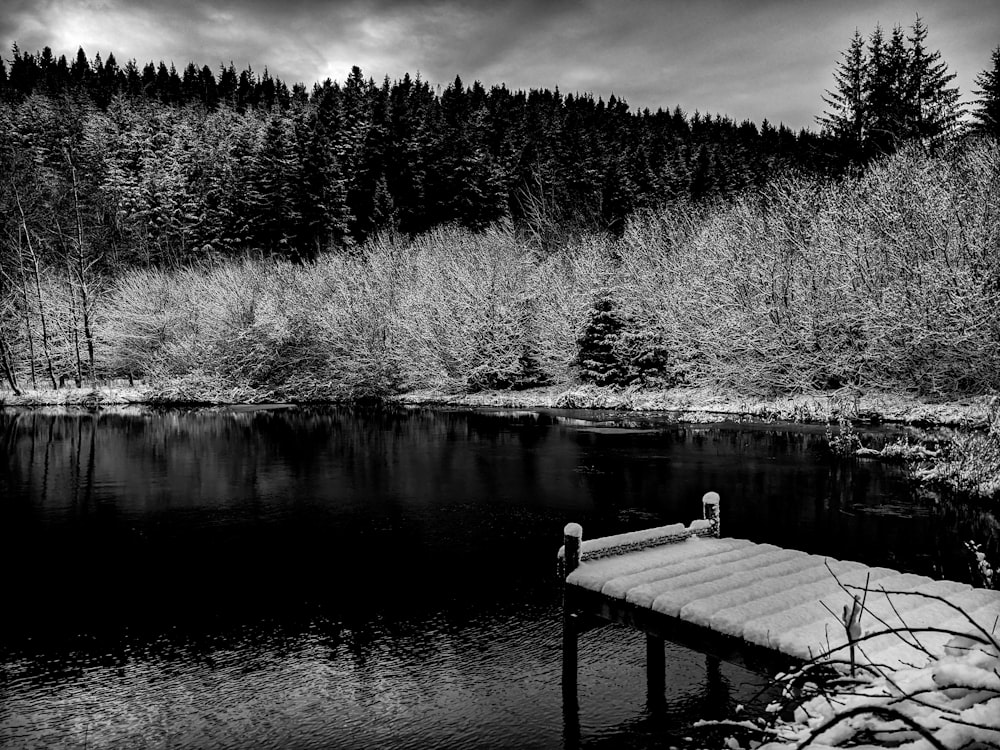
<point>349,577</point>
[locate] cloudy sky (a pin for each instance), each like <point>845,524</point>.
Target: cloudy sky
<point>745,58</point>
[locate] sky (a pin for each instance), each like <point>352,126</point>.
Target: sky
<point>749,59</point>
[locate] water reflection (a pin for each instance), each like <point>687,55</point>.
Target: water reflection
<point>352,577</point>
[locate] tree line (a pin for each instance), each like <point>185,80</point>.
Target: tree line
<point>107,168</point>
<point>177,169</point>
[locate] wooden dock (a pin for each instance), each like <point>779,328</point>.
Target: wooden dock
<point>756,605</point>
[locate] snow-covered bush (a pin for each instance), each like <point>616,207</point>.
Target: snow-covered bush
<point>950,700</point>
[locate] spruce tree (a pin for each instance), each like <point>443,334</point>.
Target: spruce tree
<point>325,211</point>
<point>278,179</point>
<point>934,109</point>
<point>846,120</point>
<point>899,107</point>
<point>80,70</point>
<point>987,111</point>
<point>596,347</point>
<point>880,95</point>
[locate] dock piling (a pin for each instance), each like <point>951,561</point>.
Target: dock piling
<point>572,539</point>
<point>656,668</point>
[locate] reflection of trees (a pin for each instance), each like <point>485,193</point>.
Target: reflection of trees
<point>878,517</point>
<point>973,522</point>
<point>665,721</point>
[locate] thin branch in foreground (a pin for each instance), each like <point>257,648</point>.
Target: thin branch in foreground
<point>989,638</point>
<point>890,714</point>
<point>916,640</point>
<point>844,587</point>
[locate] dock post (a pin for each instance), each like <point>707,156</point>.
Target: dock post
<point>710,510</point>
<point>572,540</point>
<point>656,670</point>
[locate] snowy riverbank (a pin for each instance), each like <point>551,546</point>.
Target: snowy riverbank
<point>691,404</point>
<point>708,405</point>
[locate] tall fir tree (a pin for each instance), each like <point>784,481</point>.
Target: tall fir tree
<point>279,183</point>
<point>846,120</point>
<point>934,110</point>
<point>987,109</point>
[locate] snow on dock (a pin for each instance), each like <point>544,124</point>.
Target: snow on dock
<point>774,597</point>
<point>784,601</point>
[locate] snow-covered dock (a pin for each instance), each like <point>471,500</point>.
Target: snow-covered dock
<point>757,604</point>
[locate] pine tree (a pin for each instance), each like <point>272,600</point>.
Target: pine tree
<point>898,109</point>
<point>149,80</point>
<point>597,346</point>
<point>406,152</point>
<point>846,121</point>
<point>207,88</point>
<point>190,84</point>
<point>881,97</point>
<point>24,72</point>
<point>987,111</point>
<point>325,212</point>
<point>108,82</point>
<point>278,180</point>
<point>934,110</point>
<point>133,79</point>
<point>52,78</point>
<point>80,70</point>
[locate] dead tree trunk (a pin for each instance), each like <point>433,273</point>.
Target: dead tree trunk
<point>33,256</point>
<point>6,356</point>
<point>68,256</point>
<point>76,331</point>
<point>82,271</point>
<point>26,313</point>
<point>7,364</point>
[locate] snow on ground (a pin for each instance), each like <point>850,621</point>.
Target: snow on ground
<point>699,404</point>
<point>951,700</point>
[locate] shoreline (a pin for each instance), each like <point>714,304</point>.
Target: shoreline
<point>697,404</point>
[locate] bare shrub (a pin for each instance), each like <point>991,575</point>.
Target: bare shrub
<point>145,321</point>
<point>469,315</point>
<point>356,307</point>
<point>884,280</point>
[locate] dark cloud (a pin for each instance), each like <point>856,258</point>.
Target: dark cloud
<point>747,58</point>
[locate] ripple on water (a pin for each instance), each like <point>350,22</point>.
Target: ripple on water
<point>493,681</point>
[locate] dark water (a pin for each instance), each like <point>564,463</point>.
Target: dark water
<point>349,578</point>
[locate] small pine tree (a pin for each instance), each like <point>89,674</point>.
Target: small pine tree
<point>597,357</point>
<point>614,349</point>
<point>644,358</point>
<point>530,371</point>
